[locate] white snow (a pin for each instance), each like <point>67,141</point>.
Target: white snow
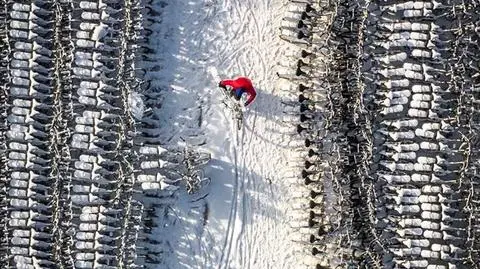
<point>421,88</point>
<point>422,97</point>
<point>20,7</point>
<point>418,113</point>
<point>19,25</point>
<point>415,13</point>
<point>90,16</point>
<point>404,155</point>
<point>421,53</point>
<point>404,83</point>
<point>136,105</point>
<point>410,5</point>
<point>18,34</point>
<point>149,150</point>
<point>401,135</point>
<point>396,178</point>
<point>244,220</point>
<point>402,123</point>
<point>429,146</point>
<point>19,15</point>
<point>402,56</point>
<point>392,109</point>
<point>410,35</point>
<point>88,5</point>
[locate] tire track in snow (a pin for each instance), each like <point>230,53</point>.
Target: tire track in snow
<point>225,258</point>
<point>255,21</point>
<point>244,197</point>
<point>245,178</point>
<point>234,4</point>
<point>239,243</point>
<point>246,247</point>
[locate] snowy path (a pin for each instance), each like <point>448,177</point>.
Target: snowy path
<point>246,223</point>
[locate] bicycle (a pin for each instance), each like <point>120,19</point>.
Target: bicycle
<point>196,181</point>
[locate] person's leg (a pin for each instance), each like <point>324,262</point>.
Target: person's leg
<point>238,93</point>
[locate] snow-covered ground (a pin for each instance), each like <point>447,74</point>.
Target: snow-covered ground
<point>243,221</point>
<point>385,95</point>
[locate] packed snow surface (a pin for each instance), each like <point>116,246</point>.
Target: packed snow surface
<point>243,221</point>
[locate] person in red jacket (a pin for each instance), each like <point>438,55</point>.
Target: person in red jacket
<point>240,86</point>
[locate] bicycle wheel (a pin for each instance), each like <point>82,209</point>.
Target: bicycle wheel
<point>197,181</point>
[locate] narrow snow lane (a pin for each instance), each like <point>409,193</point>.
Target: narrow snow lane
<point>256,235</point>
<point>246,216</point>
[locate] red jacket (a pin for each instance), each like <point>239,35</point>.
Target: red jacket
<point>244,83</point>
